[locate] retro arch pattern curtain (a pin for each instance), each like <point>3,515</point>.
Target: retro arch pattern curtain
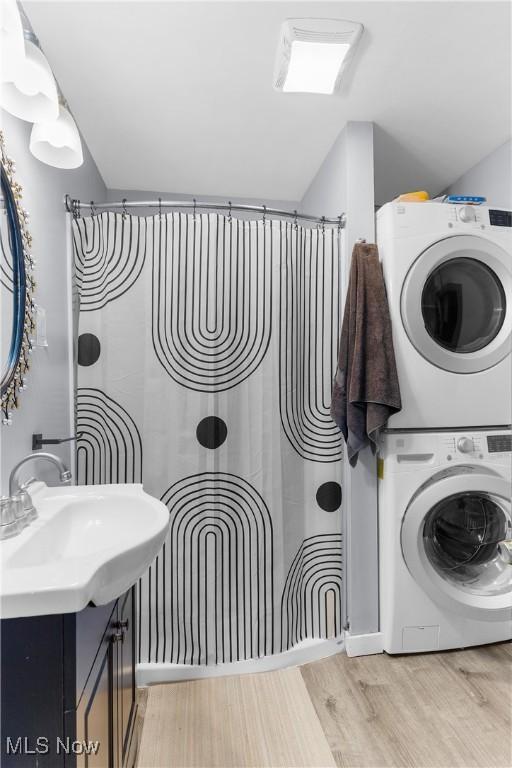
<point>206,355</point>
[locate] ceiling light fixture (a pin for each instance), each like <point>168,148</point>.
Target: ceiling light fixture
<point>12,49</point>
<point>57,142</point>
<point>313,53</point>
<point>28,89</point>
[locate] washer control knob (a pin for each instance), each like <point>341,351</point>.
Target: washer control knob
<point>467,213</point>
<point>465,444</point>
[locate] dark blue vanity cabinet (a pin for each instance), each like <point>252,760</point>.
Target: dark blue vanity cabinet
<point>68,681</point>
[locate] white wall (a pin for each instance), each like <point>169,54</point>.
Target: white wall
<point>345,183</point>
<point>491,177</point>
<point>45,405</point>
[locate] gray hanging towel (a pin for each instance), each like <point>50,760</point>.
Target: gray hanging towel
<point>366,391</point>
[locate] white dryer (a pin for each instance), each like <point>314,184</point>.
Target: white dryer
<point>448,273</point>
<point>445,539</point>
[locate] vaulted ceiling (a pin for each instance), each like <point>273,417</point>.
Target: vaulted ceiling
<point>178,96</point>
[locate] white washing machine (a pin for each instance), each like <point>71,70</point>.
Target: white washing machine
<point>445,539</point>
<point>448,273</point>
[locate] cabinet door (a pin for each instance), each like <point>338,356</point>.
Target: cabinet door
<point>94,715</point>
<point>31,690</point>
<point>126,709</point>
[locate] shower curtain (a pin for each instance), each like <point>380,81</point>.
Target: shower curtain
<point>206,354</point>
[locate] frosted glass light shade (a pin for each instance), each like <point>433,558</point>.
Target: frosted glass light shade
<point>57,142</point>
<point>30,92</point>
<point>12,49</point>
<point>314,67</point>
<point>313,54</point>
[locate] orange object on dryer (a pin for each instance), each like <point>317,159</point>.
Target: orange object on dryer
<point>413,197</point>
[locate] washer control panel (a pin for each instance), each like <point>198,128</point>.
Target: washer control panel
<point>460,445</point>
<point>410,451</point>
<point>477,445</point>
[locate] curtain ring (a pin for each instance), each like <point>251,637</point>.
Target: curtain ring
<point>195,202</point>
<point>93,210</point>
<point>296,226</point>
<point>124,208</point>
<point>160,208</point>
<point>323,224</point>
<point>339,224</point>
<point>229,216</point>
<point>264,214</point>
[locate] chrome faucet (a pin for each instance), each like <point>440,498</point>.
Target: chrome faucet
<point>17,510</point>
<point>64,473</point>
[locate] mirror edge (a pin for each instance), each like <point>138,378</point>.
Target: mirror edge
<point>9,398</point>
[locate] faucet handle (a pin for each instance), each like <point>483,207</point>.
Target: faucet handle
<point>29,511</point>
<point>6,511</point>
<point>9,525</point>
<point>18,508</point>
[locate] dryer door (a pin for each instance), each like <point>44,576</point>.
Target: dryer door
<point>456,535</point>
<point>454,304</point>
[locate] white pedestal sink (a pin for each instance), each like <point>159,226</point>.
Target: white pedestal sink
<point>89,543</point>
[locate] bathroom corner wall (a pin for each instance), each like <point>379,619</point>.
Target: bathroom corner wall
<point>46,404</point>
<point>491,177</point>
<point>345,183</point>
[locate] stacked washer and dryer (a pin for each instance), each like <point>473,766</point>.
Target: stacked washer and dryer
<point>445,526</point>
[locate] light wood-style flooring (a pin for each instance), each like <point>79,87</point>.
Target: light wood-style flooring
<point>441,710</point>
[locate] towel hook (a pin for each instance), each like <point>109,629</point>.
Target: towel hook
<point>361,240</point>
<point>124,208</point>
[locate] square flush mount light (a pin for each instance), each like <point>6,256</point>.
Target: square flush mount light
<point>313,54</point>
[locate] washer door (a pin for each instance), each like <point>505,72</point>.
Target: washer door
<point>456,534</point>
<point>454,305</point>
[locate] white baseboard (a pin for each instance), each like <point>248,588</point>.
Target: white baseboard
<point>364,645</point>
<point>308,650</point>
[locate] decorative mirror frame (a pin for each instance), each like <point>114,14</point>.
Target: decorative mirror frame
<point>14,379</point>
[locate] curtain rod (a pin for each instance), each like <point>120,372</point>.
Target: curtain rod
<point>74,206</point>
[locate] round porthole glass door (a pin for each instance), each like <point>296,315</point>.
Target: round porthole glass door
<point>463,305</point>
<point>466,538</point>
<point>456,540</point>
<point>454,304</point>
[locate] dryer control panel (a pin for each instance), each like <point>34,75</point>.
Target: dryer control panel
<point>397,220</point>
<point>480,215</point>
